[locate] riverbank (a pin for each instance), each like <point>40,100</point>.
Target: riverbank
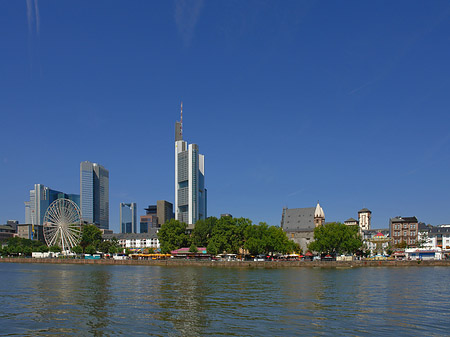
<point>234,264</point>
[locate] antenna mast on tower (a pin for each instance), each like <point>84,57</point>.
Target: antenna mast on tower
<point>181,120</point>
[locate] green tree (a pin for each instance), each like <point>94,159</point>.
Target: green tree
<point>91,236</point>
<point>203,230</point>
<point>90,249</point>
<point>77,250</point>
<point>336,238</point>
<point>211,248</point>
<point>193,248</point>
<point>229,234</point>
<point>55,249</point>
<point>172,235</point>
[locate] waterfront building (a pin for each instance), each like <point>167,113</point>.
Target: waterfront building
<point>190,191</point>
<point>370,236</point>
<point>299,223</point>
<point>404,229</point>
<point>40,198</point>
<point>31,232</point>
<point>94,194</point>
<point>135,241</point>
<point>435,238</point>
<point>128,217</point>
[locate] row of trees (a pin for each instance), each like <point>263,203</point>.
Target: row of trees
<point>91,242</point>
<point>227,234</point>
<point>16,246</point>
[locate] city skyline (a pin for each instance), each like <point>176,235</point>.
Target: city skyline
<point>291,103</point>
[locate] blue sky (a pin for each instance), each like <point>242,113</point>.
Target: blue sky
<point>291,102</point>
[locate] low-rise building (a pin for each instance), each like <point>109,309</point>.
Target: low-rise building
<point>136,240</point>
<point>6,232</point>
<point>435,238</point>
<point>32,232</point>
<point>376,240</point>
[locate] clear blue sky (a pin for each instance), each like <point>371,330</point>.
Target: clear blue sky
<point>291,102</point>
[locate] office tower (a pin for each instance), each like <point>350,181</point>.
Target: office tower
<point>190,191</point>
<point>164,211</point>
<point>128,217</point>
<point>94,193</point>
<point>156,215</point>
<point>40,198</point>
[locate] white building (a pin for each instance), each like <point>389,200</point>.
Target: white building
<point>436,238</point>
<point>190,191</point>
<point>364,216</point>
<point>135,240</point>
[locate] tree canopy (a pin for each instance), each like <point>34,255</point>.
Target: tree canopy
<point>90,236</point>
<point>226,235</point>
<point>16,245</point>
<point>336,238</point>
<point>172,235</point>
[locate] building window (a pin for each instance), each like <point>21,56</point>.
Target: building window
<point>405,226</point>
<point>405,233</point>
<point>412,226</point>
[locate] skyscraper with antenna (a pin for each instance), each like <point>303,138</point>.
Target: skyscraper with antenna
<point>190,191</point>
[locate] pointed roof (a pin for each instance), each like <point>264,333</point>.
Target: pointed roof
<point>364,210</point>
<point>318,213</point>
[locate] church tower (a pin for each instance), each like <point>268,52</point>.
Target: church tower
<point>319,216</point>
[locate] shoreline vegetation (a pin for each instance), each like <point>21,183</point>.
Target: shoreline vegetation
<point>235,264</point>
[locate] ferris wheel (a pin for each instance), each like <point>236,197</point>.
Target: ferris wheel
<point>62,224</point>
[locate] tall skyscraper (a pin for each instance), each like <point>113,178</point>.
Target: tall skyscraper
<point>94,194</point>
<point>40,198</point>
<point>128,217</point>
<point>190,191</point>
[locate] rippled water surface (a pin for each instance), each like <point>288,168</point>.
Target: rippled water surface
<point>42,300</point>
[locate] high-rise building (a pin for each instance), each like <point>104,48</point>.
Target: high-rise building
<point>128,217</point>
<point>190,191</point>
<point>94,194</point>
<point>156,215</point>
<point>40,198</point>
<point>164,211</point>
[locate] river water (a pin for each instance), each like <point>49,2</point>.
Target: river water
<point>113,300</point>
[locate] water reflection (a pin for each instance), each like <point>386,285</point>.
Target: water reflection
<point>195,301</point>
<point>183,298</point>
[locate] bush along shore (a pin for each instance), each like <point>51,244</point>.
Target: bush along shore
<point>234,264</point>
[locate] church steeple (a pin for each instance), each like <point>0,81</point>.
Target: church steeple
<point>319,215</point>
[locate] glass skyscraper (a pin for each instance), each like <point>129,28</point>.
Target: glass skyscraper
<point>190,191</point>
<point>128,217</point>
<point>40,198</point>
<point>94,194</point>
